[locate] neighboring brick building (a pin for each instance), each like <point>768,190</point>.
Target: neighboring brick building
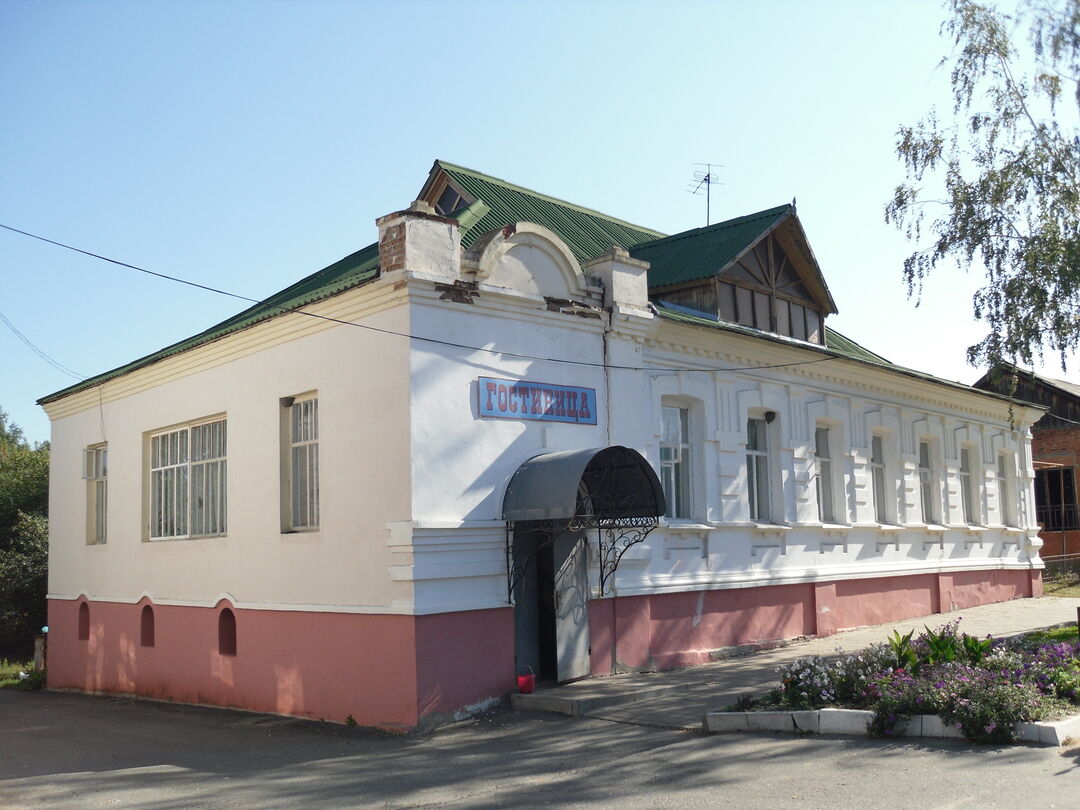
<point>1055,451</point>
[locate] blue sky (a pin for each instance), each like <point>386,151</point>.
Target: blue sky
<point>246,144</point>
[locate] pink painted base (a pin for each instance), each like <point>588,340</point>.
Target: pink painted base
<point>385,671</point>
<point>395,672</point>
<point>682,629</point>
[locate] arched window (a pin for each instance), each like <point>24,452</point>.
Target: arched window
<point>146,635</point>
<point>226,632</point>
<point>84,622</point>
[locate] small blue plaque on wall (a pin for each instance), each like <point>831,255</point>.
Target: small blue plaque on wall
<point>542,402</point>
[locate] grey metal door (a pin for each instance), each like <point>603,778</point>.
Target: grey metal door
<point>571,606</point>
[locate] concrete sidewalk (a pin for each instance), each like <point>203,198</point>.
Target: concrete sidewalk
<point>679,698</point>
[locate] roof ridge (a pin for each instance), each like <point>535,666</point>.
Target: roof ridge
<point>693,232</point>
<point>522,189</point>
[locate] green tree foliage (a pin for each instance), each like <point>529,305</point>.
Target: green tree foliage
<point>998,183</point>
<point>24,538</point>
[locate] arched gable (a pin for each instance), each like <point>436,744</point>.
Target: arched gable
<point>529,258</point>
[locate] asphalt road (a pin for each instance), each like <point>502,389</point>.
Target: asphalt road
<point>78,751</point>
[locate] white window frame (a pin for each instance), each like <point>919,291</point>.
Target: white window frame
<point>879,479</point>
<point>758,476</point>
<point>1003,472</point>
<point>96,474</point>
<point>930,505</point>
<point>188,481</point>
<point>968,487</point>
<point>676,475</point>
<point>823,465</point>
<point>300,463</point>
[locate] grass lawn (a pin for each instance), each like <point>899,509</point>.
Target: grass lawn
<point>1065,583</point>
<point>9,676</point>
<point>1055,635</point>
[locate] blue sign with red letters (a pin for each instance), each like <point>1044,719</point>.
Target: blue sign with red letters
<point>543,402</point>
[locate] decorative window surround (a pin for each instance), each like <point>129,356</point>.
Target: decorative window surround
<point>887,528</point>
<point>769,528</point>
<point>781,544</point>
<point>978,539</point>
<point>838,530</point>
<point>686,526</point>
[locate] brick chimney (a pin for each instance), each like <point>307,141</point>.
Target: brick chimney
<point>420,242</point>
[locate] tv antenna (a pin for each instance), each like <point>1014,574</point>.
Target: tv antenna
<point>705,178</point>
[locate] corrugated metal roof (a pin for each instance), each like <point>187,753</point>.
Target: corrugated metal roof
<point>836,344</point>
<point>1069,388</point>
<point>844,345</point>
<point>704,252</point>
<point>352,271</point>
<point>588,233</point>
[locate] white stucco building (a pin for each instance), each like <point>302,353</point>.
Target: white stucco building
<point>515,432</point>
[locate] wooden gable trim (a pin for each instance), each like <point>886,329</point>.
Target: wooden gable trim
<point>792,237</point>
<point>805,264</point>
<point>437,183</point>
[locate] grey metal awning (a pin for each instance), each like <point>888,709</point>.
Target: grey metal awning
<point>608,483</point>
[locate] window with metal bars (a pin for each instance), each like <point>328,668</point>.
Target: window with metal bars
<point>303,464</point>
<point>189,481</point>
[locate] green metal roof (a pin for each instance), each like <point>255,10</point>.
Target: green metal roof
<point>837,345</point>
<point>844,345</point>
<point>588,233</point>
<point>686,256</point>
<point>342,275</point>
<point>704,252</point>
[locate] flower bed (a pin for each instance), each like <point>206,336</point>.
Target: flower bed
<point>982,687</point>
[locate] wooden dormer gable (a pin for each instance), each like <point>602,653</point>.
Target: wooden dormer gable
<point>444,194</point>
<point>757,271</point>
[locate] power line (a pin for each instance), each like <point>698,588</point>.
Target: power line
<point>130,266</point>
<point>54,363</point>
<point>437,341</point>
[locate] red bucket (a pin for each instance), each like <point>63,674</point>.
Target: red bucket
<point>526,683</point>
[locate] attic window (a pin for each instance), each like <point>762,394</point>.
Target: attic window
<point>760,310</point>
<point>450,201</point>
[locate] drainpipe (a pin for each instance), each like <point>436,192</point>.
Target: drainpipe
<point>626,290</point>
<point>1061,489</point>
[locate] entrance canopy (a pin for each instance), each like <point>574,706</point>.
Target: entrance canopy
<point>605,484</point>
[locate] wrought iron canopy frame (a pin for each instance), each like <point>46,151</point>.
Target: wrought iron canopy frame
<point>613,491</point>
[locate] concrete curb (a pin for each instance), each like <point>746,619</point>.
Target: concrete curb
<point>854,722</point>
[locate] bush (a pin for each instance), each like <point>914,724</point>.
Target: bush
<point>24,495</point>
<point>806,683</point>
<point>981,687</point>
